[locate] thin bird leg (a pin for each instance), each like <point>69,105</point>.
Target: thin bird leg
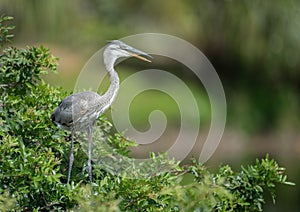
<point>71,157</point>
<point>90,140</point>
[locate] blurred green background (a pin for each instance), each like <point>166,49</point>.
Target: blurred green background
<point>253,45</point>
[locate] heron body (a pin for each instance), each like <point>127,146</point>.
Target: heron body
<point>80,111</point>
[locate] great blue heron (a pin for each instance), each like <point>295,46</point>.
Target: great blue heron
<point>80,111</point>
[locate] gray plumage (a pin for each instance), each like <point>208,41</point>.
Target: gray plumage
<point>80,111</point>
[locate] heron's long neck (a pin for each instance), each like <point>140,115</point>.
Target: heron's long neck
<point>112,91</point>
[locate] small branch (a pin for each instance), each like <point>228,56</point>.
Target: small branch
<point>49,205</point>
<point>8,85</point>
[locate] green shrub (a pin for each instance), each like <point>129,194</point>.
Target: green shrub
<point>34,157</point>
<point>5,30</point>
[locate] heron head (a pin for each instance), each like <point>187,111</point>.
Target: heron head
<point>119,49</point>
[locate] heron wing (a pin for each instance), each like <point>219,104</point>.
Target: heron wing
<point>74,107</point>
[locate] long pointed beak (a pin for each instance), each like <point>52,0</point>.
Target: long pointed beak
<point>141,57</point>
<point>139,54</point>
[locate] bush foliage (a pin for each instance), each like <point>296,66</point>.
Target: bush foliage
<point>34,157</point>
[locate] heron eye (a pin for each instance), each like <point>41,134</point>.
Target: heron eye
<point>123,47</point>
<point>115,49</point>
